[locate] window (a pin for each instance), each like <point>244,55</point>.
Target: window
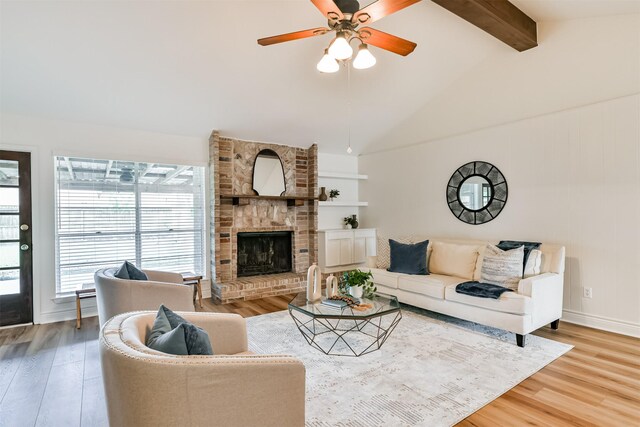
<point>108,211</point>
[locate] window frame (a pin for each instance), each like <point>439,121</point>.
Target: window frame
<point>138,232</point>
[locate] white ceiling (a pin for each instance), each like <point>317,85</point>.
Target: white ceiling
<point>185,67</point>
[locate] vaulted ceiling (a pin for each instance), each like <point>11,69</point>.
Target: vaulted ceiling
<point>184,67</point>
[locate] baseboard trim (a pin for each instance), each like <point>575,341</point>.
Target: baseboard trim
<point>600,322</point>
<point>64,315</point>
<point>90,311</point>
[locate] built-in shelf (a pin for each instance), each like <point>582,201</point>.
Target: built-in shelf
<point>343,203</point>
<point>341,175</point>
<point>243,199</point>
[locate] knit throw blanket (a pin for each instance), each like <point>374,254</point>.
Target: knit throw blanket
<point>482,290</point>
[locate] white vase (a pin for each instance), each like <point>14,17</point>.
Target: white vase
<point>314,284</point>
<point>356,291</point>
<point>332,286</point>
<point>347,226</point>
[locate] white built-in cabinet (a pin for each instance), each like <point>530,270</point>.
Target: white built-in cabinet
<point>340,248</point>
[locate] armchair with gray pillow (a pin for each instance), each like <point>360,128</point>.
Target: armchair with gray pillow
<point>115,295</point>
<point>233,388</point>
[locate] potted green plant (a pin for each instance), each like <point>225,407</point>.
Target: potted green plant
<point>351,222</point>
<point>357,283</point>
<point>333,194</point>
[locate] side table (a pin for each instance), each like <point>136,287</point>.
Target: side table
<point>189,278</point>
<point>88,291</point>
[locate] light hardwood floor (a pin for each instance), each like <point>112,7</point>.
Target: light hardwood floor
<point>50,376</point>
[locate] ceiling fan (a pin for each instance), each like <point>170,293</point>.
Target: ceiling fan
<point>346,18</point>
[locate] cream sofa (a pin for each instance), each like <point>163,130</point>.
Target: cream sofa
<point>537,301</point>
<point>115,296</point>
<point>144,387</point>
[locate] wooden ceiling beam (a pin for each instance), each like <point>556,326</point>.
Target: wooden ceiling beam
<point>500,18</point>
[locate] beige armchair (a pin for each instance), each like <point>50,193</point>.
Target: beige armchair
<point>234,387</point>
<point>115,296</point>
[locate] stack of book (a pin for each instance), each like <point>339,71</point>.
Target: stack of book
<point>334,303</point>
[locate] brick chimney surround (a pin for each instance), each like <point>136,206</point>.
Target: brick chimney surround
<point>231,172</point>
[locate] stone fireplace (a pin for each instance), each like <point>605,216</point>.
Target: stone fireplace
<point>250,234</point>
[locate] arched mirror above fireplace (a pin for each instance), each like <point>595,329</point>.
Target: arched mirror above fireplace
<point>268,174</point>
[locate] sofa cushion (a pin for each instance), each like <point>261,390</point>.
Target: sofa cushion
<point>432,285</point>
<point>453,260</point>
<point>385,278</point>
<point>506,245</point>
<point>534,263</point>
<point>383,251</point>
<point>502,268</point>
<point>509,302</point>
<point>173,334</point>
<point>408,258</point>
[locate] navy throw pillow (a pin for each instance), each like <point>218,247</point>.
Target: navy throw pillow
<point>130,271</point>
<point>173,334</point>
<point>408,258</point>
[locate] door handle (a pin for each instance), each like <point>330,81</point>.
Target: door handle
<point>24,227</point>
<point>24,247</point>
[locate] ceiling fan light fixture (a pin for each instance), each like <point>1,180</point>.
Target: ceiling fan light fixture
<point>327,64</point>
<point>340,48</point>
<point>364,59</point>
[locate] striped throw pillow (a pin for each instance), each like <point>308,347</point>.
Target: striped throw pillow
<point>502,268</point>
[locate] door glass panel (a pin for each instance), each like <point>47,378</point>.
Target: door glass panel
<point>9,282</point>
<point>9,172</point>
<point>9,227</point>
<point>9,200</point>
<point>16,287</point>
<point>9,254</point>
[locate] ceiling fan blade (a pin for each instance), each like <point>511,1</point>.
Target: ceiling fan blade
<point>386,41</point>
<point>380,9</point>
<point>328,9</point>
<point>292,36</point>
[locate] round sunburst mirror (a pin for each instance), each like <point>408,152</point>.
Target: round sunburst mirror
<point>477,192</point>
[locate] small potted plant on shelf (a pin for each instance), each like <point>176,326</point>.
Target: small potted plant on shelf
<point>358,284</point>
<point>333,194</point>
<point>351,222</point>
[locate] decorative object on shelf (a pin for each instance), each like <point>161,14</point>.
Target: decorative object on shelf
<point>314,284</point>
<point>344,17</point>
<point>358,283</point>
<point>333,194</point>
<point>351,221</point>
<point>268,174</point>
<point>332,286</point>
<point>477,192</point>
<point>347,226</point>
<point>323,194</point>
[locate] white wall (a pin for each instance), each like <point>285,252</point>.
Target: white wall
<point>574,179</point>
<point>47,138</point>
<point>331,217</point>
<point>577,62</point>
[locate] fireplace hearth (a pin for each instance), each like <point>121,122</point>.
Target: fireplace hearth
<point>264,253</point>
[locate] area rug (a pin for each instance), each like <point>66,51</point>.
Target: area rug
<point>433,370</point>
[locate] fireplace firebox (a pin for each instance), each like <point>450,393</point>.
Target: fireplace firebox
<point>264,253</point>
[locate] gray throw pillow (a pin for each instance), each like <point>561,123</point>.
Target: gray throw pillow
<point>502,268</point>
<point>173,334</point>
<point>130,272</point>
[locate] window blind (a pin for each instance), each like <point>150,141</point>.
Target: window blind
<point>109,211</point>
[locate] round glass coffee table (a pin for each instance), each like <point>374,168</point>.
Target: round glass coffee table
<point>346,331</point>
